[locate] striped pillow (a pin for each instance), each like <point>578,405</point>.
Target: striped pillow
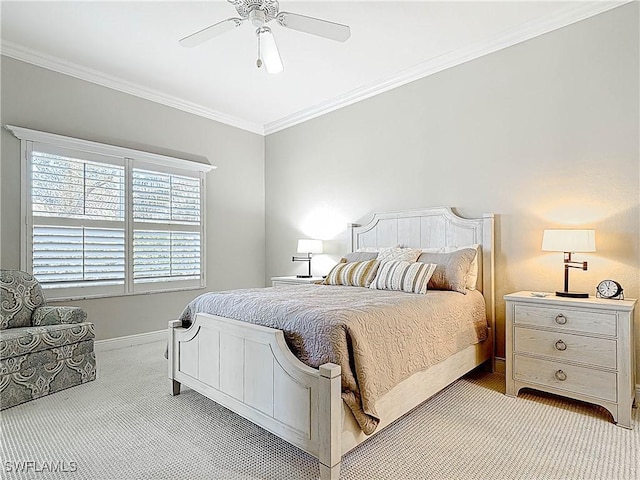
<point>353,274</point>
<point>408,277</point>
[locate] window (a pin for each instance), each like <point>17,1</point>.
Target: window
<point>159,201</point>
<point>103,220</point>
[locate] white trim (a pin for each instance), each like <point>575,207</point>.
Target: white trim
<point>26,245</point>
<point>106,149</point>
<point>203,244</point>
<point>28,55</point>
<point>500,366</point>
<point>574,12</point>
<point>129,340</point>
<point>89,296</point>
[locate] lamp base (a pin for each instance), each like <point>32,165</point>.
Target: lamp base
<point>303,276</point>
<point>572,294</point>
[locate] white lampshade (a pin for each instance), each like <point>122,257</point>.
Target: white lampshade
<point>309,246</point>
<point>569,241</point>
<point>268,51</point>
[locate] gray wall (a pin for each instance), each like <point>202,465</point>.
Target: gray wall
<point>40,99</point>
<point>544,134</point>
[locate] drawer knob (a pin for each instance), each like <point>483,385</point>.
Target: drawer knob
<point>560,375</point>
<point>560,345</point>
<point>560,319</point>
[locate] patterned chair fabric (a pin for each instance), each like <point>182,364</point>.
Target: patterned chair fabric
<point>21,295</point>
<point>43,349</point>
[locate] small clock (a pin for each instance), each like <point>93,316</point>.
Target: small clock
<point>609,289</point>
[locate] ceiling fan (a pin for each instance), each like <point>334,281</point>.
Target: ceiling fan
<point>259,13</point>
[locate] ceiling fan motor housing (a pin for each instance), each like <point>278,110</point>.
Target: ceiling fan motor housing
<point>257,18</point>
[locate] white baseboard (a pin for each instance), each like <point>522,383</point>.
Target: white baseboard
<point>500,365</point>
<point>130,340</point>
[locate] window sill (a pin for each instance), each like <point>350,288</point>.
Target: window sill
<point>98,296</point>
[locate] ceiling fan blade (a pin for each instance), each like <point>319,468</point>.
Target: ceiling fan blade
<point>208,33</point>
<point>314,26</point>
<point>268,51</point>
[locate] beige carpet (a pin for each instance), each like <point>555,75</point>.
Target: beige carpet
<point>125,425</point>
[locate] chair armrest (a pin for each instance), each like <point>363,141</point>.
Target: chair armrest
<point>57,315</point>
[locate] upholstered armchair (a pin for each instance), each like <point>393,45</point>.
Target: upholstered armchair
<point>43,349</point>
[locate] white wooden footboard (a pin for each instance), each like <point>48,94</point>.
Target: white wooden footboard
<point>250,370</point>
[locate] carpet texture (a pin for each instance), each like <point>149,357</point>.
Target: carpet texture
<point>125,425</point>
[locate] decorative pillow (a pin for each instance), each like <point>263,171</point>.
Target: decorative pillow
<point>398,254</point>
<point>353,274</point>
<point>411,277</point>
<point>472,278</point>
<point>360,256</point>
<point>453,269</point>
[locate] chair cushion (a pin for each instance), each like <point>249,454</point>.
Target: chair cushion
<point>20,341</point>
<point>21,294</point>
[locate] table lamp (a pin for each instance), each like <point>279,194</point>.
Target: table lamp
<point>569,241</point>
<point>309,247</point>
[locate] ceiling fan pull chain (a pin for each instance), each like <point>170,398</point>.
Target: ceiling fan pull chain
<point>259,61</point>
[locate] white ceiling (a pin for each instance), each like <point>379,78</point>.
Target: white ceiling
<point>133,47</point>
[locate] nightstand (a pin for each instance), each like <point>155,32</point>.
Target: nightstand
<point>580,348</point>
<point>293,280</point>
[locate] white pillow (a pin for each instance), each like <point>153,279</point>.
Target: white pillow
<point>398,254</point>
<point>373,249</point>
<point>472,275</point>
<point>410,277</point>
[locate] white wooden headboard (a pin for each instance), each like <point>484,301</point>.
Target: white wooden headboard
<point>431,228</point>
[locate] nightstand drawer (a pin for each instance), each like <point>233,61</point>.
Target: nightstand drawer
<point>599,352</point>
<point>581,380</point>
<point>603,323</point>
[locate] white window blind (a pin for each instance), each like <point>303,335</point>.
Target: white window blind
<point>158,255</point>
<point>76,188</point>
<point>160,201</point>
<point>102,220</point>
<point>72,256</point>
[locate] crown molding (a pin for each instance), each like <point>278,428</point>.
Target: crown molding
<point>59,65</point>
<point>573,13</point>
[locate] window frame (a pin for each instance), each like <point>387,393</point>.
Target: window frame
<point>114,155</point>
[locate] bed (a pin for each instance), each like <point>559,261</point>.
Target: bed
<point>250,368</point>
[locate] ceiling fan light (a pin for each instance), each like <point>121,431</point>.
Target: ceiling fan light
<point>268,51</point>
